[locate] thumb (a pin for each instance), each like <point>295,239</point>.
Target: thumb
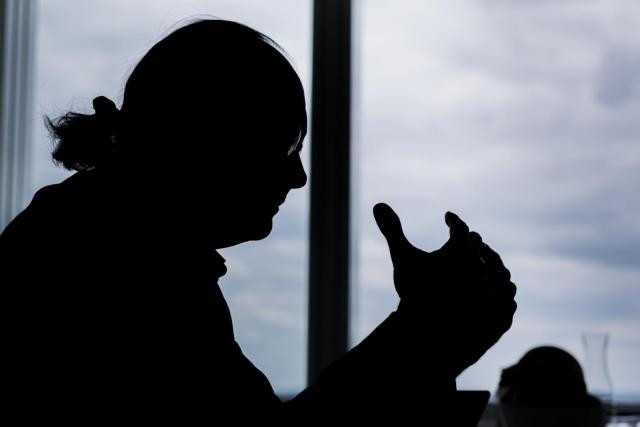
<point>391,228</point>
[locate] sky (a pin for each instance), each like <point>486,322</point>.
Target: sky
<point>520,116</point>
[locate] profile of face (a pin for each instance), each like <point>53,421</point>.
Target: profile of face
<point>246,187</point>
<point>233,194</point>
<point>227,117</point>
<point>254,157</point>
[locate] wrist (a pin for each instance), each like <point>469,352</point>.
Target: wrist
<point>431,342</point>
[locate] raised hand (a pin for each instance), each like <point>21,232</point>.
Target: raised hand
<point>459,296</point>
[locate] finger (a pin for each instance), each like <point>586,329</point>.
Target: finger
<point>499,275</point>
<point>475,237</point>
<point>457,227</point>
<point>500,310</point>
<point>476,243</point>
<point>503,296</point>
<point>495,264</point>
<point>505,313</point>
<point>391,228</point>
<point>510,289</point>
<point>459,241</point>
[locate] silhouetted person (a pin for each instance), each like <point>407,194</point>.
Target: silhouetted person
<point>111,276</point>
<point>547,388</point>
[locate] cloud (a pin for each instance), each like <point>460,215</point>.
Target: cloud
<point>522,118</point>
<point>619,77</point>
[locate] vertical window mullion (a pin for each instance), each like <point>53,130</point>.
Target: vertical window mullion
<point>330,185</point>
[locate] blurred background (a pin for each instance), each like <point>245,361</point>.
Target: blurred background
<point>522,117</point>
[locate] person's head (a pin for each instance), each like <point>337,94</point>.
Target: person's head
<point>545,376</point>
<point>214,116</point>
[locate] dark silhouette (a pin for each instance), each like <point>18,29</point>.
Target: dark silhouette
<point>110,277</point>
<point>547,388</point>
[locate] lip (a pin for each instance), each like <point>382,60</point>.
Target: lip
<point>280,201</point>
<point>275,207</point>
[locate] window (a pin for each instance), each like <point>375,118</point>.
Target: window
<point>522,117</point>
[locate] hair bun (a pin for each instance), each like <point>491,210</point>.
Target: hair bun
<point>103,105</point>
<point>107,116</point>
<point>84,140</point>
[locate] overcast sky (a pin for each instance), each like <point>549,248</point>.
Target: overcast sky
<point>521,116</point>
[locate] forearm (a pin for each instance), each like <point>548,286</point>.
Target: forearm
<point>390,371</point>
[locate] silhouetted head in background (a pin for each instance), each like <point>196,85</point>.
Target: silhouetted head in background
<point>545,377</point>
<point>208,135</point>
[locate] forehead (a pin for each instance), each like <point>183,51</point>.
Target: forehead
<point>279,94</point>
<point>282,133</point>
<point>282,115</point>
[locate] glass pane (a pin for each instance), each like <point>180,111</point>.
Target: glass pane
<point>522,117</point>
<point>87,48</point>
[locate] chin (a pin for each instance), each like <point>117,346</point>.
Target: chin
<point>263,229</point>
<point>258,229</point>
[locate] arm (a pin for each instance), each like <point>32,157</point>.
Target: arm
<point>455,304</point>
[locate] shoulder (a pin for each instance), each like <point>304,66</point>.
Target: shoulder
<point>30,219</point>
<point>47,212</point>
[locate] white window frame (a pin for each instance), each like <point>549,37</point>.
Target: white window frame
<point>17,38</point>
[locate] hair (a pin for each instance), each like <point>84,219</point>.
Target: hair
<point>210,71</point>
<point>545,376</point>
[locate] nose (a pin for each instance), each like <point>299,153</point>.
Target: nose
<point>297,175</point>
